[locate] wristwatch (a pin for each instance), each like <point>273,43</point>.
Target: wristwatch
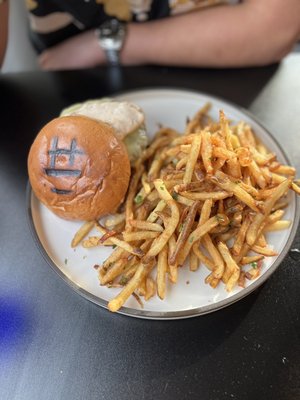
<point>111,36</point>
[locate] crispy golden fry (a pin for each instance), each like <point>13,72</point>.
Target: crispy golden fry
<point>296,188</point>
<point>141,290</point>
<point>232,268</point>
<point>266,193</point>
<point>93,241</point>
<point>276,178</point>
<point>162,240</point>
<point>244,156</point>
<point>234,168</point>
<point>153,216</point>
<point>186,187</point>
<point>82,232</point>
<point>261,148</point>
<point>192,158</point>
<point>182,163</point>
<point>131,195</point>
<point>145,225</point>
<point>261,159</point>
<point>215,255</point>
<point>106,237</point>
<point>162,190</point>
<point>266,251</point>
<point>173,272</point>
<point>196,123</point>
<point>141,272</point>
<point>194,262</point>
<point>240,238</point>
<point>185,231</point>
<point>207,195</point>
<point>129,272</point>
<point>145,183</point>
<point>205,211</point>
<point>249,188</point>
<point>206,152</point>
<point>140,235</point>
<point>116,269</point>
<point>228,235</point>
<point>198,233</point>
<point>285,170</point>
<point>115,255</point>
<point>259,220</point>
<point>251,259</point>
<point>213,282</point>
<point>203,258</point>
<point>162,266</point>
<point>224,182</point>
<point>261,240</point>
<point>143,211</point>
<point>253,273</point>
<point>183,200</point>
<point>114,220</point>
<point>183,139</point>
<point>155,167</point>
<point>257,174</point>
<point>121,243</point>
<point>220,152</point>
<point>150,288</point>
<point>278,226</point>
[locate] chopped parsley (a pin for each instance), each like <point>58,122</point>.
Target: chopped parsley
<point>162,188</point>
<point>254,265</point>
<point>219,218</point>
<point>114,246</point>
<point>175,196</point>
<point>138,199</point>
<point>180,227</point>
<point>124,280</point>
<point>191,239</point>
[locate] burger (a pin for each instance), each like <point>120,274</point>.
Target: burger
<point>127,120</point>
<point>79,167</point>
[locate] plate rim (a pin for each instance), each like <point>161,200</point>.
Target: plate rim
<point>193,312</point>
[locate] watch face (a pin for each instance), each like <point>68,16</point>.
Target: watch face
<point>110,28</point>
<point>112,34</point>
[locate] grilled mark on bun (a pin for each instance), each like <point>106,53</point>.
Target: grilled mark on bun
<point>78,168</point>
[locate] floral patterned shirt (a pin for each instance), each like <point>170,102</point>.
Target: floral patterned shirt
<point>53,21</point>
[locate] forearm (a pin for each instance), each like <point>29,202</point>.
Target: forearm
<point>224,36</point>
<point>3,29</point>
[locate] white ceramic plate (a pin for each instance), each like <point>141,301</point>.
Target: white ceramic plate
<point>190,296</point>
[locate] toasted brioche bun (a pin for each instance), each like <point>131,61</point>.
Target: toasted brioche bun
<point>78,168</point>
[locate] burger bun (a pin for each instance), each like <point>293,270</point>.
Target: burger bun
<point>78,168</point>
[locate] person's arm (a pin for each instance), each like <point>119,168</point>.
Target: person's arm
<point>80,51</point>
<point>252,33</point>
<point>3,29</point>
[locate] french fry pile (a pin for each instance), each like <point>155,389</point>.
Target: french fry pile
<point>205,197</point>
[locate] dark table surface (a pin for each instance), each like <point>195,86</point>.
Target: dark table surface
<point>56,345</point>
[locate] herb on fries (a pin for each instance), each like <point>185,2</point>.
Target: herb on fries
<point>209,197</point>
